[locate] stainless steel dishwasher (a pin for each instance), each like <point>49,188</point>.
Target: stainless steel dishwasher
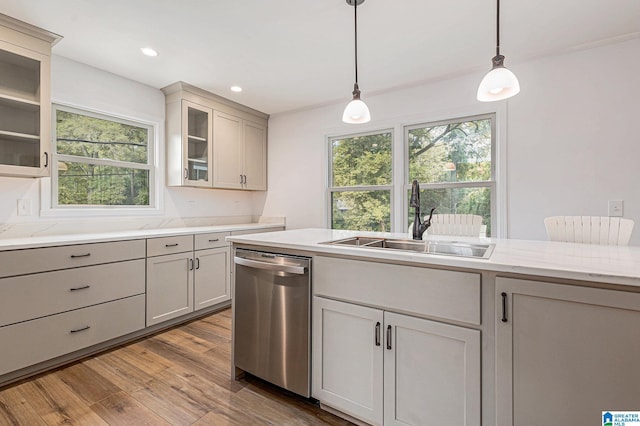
<point>272,311</point>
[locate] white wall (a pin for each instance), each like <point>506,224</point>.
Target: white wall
<point>83,86</point>
<point>571,139</point>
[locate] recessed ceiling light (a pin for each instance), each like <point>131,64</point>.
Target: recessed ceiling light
<point>236,89</point>
<point>149,51</point>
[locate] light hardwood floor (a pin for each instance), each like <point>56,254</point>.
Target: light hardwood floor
<point>178,377</point>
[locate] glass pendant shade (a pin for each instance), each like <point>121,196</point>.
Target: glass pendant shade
<point>498,84</point>
<point>356,112</point>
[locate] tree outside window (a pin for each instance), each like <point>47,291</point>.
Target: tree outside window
<point>361,182</point>
<point>453,162</point>
<point>101,160</point>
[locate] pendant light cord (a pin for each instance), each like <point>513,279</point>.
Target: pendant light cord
<point>355,26</point>
<point>498,28</point>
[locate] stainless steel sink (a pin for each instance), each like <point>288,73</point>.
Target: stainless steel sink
<point>448,248</point>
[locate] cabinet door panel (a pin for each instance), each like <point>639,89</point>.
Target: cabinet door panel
<point>565,353</point>
<point>25,108</point>
<point>197,122</point>
<point>169,287</point>
<point>227,151</point>
<point>347,366</point>
<point>255,156</point>
<point>211,284</point>
<point>432,373</point>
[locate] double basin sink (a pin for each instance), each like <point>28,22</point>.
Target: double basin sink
<point>448,248</point>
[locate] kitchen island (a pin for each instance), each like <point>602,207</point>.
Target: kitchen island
<point>538,330</point>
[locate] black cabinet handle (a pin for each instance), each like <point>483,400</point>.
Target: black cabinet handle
<point>78,330</point>
<point>388,337</point>
<point>214,240</point>
<point>186,174</point>
<point>197,263</point>
<point>378,333</point>
<point>171,245</point>
<point>504,307</point>
<point>75,256</point>
<point>79,288</point>
<point>191,264</point>
<point>46,159</point>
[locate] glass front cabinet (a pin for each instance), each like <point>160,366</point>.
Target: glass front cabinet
<point>25,100</point>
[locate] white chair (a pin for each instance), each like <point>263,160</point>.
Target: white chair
<point>589,229</point>
<point>462,225</point>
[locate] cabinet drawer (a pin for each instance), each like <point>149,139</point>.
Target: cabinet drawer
<point>31,342</point>
<point>27,261</point>
<point>32,296</point>
<point>211,240</point>
<point>169,245</point>
<point>451,295</point>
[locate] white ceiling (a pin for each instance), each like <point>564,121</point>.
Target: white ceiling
<point>295,54</point>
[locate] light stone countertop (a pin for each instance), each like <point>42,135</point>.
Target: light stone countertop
<point>586,262</point>
<point>98,237</point>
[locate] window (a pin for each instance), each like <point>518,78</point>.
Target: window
<point>454,163</point>
<point>101,161</point>
<point>360,181</point>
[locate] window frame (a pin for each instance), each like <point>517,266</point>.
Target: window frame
<point>492,184</point>
<point>361,188</point>
<point>51,205</point>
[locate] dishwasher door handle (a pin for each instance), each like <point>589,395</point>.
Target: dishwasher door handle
<point>299,270</point>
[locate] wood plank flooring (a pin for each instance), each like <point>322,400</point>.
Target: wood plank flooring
<point>181,376</point>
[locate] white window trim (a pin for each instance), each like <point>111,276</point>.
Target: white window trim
<point>48,198</point>
<point>331,189</point>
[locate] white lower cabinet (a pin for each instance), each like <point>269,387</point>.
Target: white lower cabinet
<point>169,286</point>
<point>30,342</point>
<point>182,282</point>
<point>211,281</point>
<point>392,369</point>
<point>565,353</point>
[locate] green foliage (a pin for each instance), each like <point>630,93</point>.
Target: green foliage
<point>81,183</point>
<point>362,161</point>
<point>361,210</point>
<point>455,152</point>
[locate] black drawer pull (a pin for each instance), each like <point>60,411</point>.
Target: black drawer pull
<point>171,245</point>
<point>213,241</point>
<point>78,330</point>
<point>75,256</point>
<point>79,288</point>
<point>504,307</point>
<point>378,333</point>
<point>388,337</point>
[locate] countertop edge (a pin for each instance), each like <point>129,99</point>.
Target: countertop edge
<point>137,234</point>
<point>489,265</point>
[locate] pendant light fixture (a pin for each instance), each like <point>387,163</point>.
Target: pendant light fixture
<point>499,83</point>
<point>356,111</point>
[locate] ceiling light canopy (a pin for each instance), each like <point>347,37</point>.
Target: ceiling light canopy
<point>499,83</point>
<point>236,89</point>
<point>356,111</point>
<point>149,51</point>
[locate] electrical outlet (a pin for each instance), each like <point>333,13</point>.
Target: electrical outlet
<point>616,208</point>
<point>24,207</point>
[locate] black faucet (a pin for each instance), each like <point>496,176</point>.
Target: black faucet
<point>419,227</point>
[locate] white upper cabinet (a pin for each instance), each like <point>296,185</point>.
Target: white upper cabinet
<point>255,156</point>
<point>25,99</point>
<point>213,142</point>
